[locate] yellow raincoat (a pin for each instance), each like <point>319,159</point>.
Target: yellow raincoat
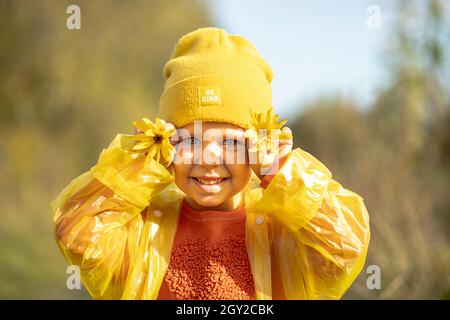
<point>306,235</point>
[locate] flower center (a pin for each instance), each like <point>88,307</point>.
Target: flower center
<point>158,138</point>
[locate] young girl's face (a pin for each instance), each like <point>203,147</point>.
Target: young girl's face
<point>211,165</point>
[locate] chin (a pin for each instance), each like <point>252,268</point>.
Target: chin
<point>213,201</point>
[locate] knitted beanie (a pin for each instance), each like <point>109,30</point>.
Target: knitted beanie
<point>214,76</point>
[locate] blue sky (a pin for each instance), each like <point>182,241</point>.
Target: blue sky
<point>315,48</point>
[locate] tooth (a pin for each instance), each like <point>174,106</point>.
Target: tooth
<point>209,182</point>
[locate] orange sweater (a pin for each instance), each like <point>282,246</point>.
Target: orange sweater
<point>306,235</point>
<point>209,257</point>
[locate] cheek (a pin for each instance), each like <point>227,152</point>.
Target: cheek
<point>237,155</point>
<point>181,174</point>
<point>185,153</point>
<point>241,174</point>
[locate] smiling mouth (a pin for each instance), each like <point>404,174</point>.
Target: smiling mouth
<point>209,181</point>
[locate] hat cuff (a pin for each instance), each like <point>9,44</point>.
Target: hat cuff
<point>183,103</point>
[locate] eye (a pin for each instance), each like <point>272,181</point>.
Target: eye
<point>231,142</point>
<point>191,140</point>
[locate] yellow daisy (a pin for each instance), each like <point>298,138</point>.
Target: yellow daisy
<point>264,133</point>
<point>154,139</point>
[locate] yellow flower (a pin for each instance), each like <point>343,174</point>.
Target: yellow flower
<point>264,135</point>
<point>154,139</point>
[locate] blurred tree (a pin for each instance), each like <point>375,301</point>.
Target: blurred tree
<point>334,129</point>
<point>64,94</point>
<point>396,155</point>
<point>416,98</point>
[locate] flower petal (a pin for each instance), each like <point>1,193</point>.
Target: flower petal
<point>282,123</point>
<point>285,136</point>
<point>150,133</point>
<point>140,137</point>
<point>154,149</point>
<point>142,124</point>
<point>142,145</point>
<point>167,151</point>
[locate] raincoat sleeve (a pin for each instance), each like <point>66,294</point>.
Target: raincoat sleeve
<point>321,230</point>
<point>97,217</point>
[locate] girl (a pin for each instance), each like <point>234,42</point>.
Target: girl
<point>212,202</point>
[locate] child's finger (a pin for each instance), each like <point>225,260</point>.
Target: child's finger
<point>252,151</point>
<point>169,126</point>
<point>287,130</point>
<point>285,144</point>
<point>175,138</point>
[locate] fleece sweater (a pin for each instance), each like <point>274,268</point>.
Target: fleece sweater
<point>209,257</point>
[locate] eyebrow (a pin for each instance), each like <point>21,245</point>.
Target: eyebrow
<point>234,132</point>
<point>225,132</point>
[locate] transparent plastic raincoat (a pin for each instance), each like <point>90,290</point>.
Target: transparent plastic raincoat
<point>306,235</point>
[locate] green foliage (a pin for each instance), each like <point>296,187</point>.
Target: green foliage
<point>396,156</point>
<point>64,94</point>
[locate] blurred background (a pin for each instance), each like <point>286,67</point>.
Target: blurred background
<point>365,85</point>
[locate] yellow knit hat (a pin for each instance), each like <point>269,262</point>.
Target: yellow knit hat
<point>214,76</point>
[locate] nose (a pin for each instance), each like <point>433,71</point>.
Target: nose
<point>212,153</point>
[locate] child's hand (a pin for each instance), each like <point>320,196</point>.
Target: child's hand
<point>263,168</point>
